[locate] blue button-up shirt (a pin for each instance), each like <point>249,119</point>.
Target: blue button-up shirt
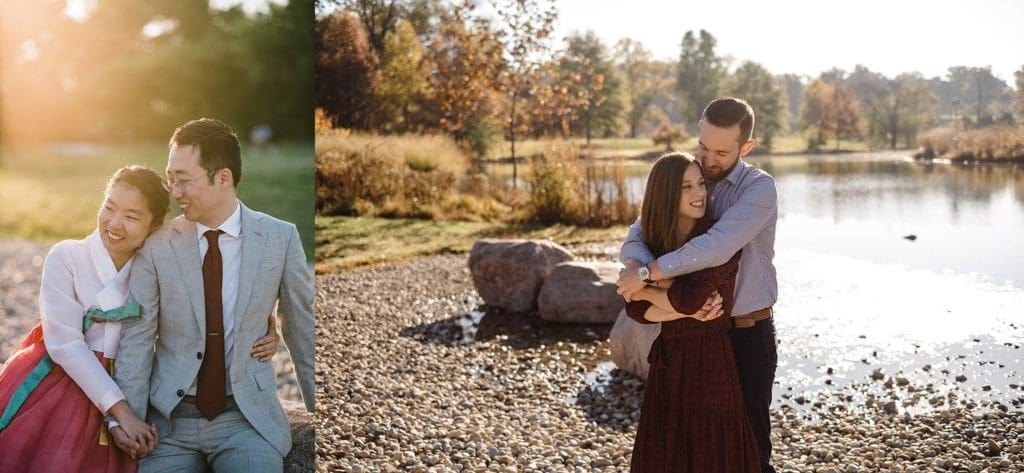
<point>745,203</point>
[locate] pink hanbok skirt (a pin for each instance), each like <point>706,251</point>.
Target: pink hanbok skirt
<point>57,428</point>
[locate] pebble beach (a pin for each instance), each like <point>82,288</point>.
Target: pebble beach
<point>415,373</point>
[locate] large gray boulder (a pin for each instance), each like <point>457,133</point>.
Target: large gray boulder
<point>630,343</point>
<point>509,273</point>
<point>582,292</point>
<point>302,457</point>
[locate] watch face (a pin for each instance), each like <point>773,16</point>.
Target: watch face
<point>644,273</point>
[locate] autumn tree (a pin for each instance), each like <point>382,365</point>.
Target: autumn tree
<point>466,60</point>
<point>753,83</point>
<point>598,87</point>
<point>402,78</point>
<point>553,105</point>
<point>345,71</point>
<point>525,26</point>
<point>700,73</point>
<point>832,111</point>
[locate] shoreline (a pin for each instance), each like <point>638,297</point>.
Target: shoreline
<point>418,375</point>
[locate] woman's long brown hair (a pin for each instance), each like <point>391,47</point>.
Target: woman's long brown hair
<point>660,210</point>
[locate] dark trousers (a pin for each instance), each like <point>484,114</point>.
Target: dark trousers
<point>756,359</point>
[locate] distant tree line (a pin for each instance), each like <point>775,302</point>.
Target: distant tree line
<point>394,66</point>
<point>134,69</point>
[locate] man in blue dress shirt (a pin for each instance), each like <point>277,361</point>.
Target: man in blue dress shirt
<point>744,201</point>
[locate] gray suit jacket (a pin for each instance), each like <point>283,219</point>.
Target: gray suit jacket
<point>167,280</point>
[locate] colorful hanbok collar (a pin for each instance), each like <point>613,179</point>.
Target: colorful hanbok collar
<point>115,289</point>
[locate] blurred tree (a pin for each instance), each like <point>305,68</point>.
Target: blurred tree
<point>833,75</point>
<point>379,18</point>
<point>753,83</point>
<point>345,71</point>
<point>403,79</point>
<point>870,88</point>
<point>668,134</point>
<point>643,78</point>
<point>793,85</point>
<point>700,73</point>
<point>524,30</point>
<point>467,61</point>
<point>427,16</point>
<point>831,110</point>
<point>135,69</point>
<point>599,86</point>
<point>1018,98</point>
<point>895,108</point>
<point>552,104</point>
<point>979,90</point>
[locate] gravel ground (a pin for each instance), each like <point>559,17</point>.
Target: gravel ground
<point>21,266</point>
<point>415,374</point>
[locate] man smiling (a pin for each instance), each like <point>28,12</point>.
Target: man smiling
<point>743,199</point>
<point>206,282</point>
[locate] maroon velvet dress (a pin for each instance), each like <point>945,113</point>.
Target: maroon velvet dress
<point>692,418</point>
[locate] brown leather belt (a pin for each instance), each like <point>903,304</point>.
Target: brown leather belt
<point>748,320</point>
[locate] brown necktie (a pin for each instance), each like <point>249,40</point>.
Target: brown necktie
<point>210,392</point>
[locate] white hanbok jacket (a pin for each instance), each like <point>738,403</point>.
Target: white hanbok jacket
<point>79,275</point>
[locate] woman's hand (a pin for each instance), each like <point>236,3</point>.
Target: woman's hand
<point>712,308</point>
<point>134,434</point>
<point>265,348</point>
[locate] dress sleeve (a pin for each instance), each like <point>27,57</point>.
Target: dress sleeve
<point>688,292</point>
<point>62,317</point>
<point>636,310</point>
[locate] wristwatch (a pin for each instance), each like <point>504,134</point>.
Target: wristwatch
<point>644,273</point>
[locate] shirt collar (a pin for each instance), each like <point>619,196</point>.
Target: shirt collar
<point>232,226</point>
<point>734,176</point>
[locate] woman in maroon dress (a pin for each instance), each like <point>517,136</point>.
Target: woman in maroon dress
<point>692,418</point>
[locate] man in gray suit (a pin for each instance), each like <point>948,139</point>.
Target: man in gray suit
<point>206,282</point>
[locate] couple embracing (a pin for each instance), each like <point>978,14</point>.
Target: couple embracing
<point>155,339</point>
<point>699,262</point>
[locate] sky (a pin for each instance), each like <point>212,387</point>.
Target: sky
<point>808,37</point>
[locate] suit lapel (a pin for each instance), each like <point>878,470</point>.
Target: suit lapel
<point>253,238</point>
<point>186,251</point>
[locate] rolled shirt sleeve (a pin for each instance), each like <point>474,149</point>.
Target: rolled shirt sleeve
<point>62,317</point>
<point>634,248</point>
<point>738,225</point>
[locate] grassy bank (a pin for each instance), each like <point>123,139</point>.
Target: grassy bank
<point>52,192</point>
<point>992,144</point>
<point>350,242</point>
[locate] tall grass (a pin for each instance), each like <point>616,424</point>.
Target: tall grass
<point>565,190</point>
<point>997,143</point>
<point>399,176</point>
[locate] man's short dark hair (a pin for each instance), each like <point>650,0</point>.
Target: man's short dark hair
<point>725,112</point>
<point>217,144</point>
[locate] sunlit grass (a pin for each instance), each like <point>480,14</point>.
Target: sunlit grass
<point>418,152</point>
<point>52,192</point>
<point>350,242</point>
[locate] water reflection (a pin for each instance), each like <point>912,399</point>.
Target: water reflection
<point>965,218</point>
